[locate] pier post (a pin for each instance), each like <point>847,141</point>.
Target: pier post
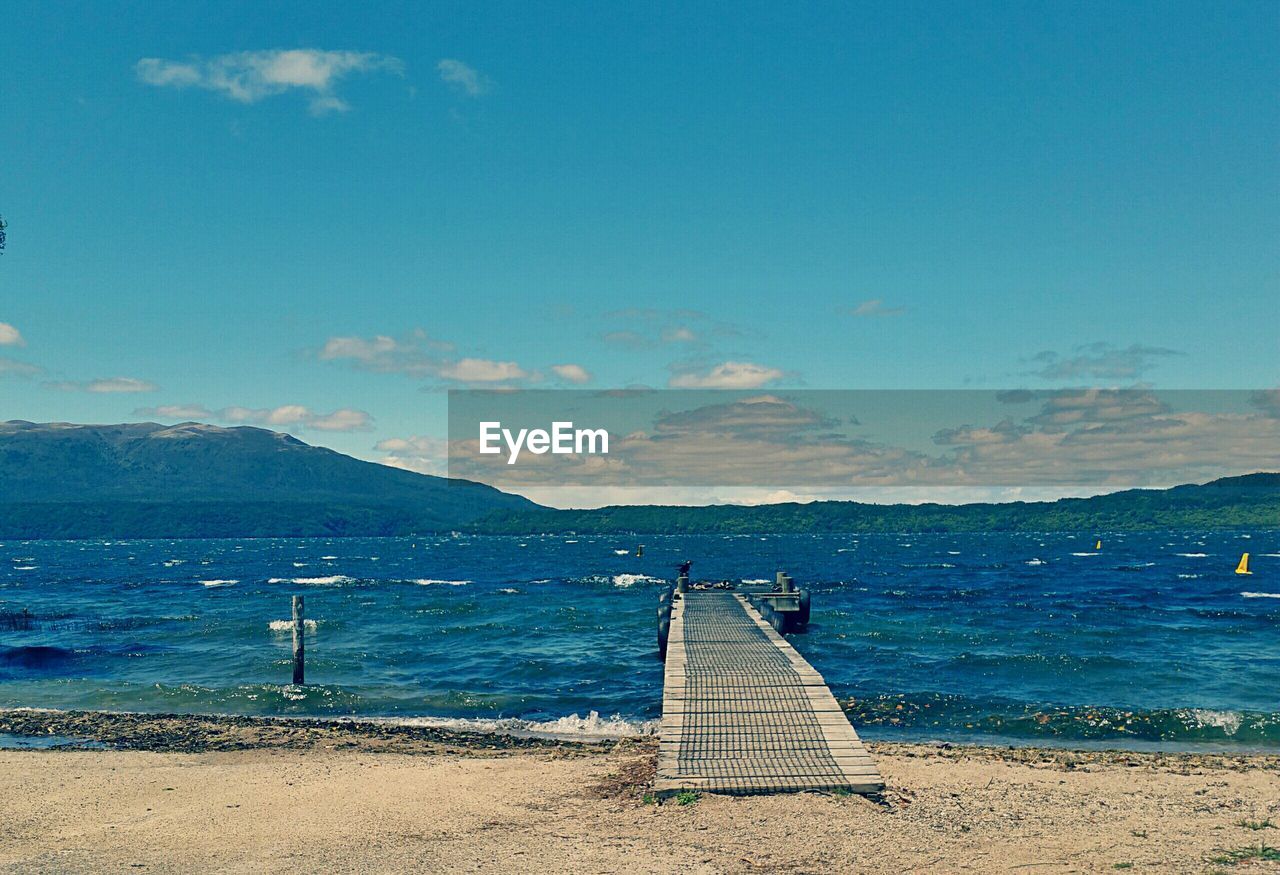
<point>299,646</point>
<point>784,582</point>
<point>682,583</point>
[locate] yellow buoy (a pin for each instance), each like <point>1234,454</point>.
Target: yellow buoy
<point>640,550</point>
<point>1097,546</point>
<point>1243,567</point>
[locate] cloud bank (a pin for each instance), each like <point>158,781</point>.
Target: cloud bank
<point>109,385</point>
<point>247,77</point>
<point>464,78</point>
<point>286,416</point>
<point>729,375</point>
<point>420,356</point>
<point>1099,361</point>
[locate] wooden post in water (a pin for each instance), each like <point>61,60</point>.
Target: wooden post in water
<point>299,646</point>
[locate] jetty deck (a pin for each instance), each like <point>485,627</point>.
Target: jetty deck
<point>743,712</point>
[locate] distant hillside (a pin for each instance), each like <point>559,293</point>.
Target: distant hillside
<point>60,480</point>
<point>1251,501</point>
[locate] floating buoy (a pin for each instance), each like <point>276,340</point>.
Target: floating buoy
<point>1243,567</point>
<point>1097,546</point>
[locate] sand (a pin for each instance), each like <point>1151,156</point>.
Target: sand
<point>321,799</point>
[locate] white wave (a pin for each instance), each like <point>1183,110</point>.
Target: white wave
<point>510,590</point>
<point>1084,554</point>
<point>621,552</point>
<point>314,581</point>
<point>328,558</point>
<point>1227,721</point>
<point>756,580</point>
<point>633,579</point>
<point>1192,555</point>
<point>592,726</point>
<point>953,552</point>
<point>287,625</point>
<point>25,567</point>
<point>219,582</point>
<point>299,565</point>
<point>1034,562</point>
<point>169,563</point>
<point>1189,576</point>
<point>1261,595</point>
<point>428,581</point>
<point>571,542</point>
<point>1272,555</point>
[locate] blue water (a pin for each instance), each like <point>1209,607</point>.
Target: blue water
<point>1028,638</point>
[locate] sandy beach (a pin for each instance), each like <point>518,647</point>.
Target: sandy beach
<point>239,794</point>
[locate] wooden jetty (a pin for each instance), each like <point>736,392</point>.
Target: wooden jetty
<point>743,712</point>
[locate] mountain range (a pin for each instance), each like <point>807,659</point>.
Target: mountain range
<point>145,480</point>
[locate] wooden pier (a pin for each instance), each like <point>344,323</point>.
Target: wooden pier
<point>743,713</point>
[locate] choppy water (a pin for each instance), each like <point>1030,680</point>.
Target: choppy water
<point>1152,641</point>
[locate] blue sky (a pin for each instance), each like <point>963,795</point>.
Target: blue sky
<point>274,213</point>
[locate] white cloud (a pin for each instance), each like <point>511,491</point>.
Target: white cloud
<point>285,416</point>
<point>572,373</point>
<point>876,307</point>
<point>417,355</point>
<point>182,412</point>
<point>426,455</point>
<point>358,348</point>
<point>10,336</point>
<point>109,385</point>
<point>729,375</point>
<point>462,77</point>
<point>473,370</point>
<point>247,77</point>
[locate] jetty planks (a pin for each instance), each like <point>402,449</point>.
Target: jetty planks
<point>743,712</point>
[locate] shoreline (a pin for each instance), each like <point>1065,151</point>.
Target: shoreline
<point>210,733</point>
<point>186,793</point>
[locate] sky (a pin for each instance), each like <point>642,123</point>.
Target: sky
<point>319,218</point>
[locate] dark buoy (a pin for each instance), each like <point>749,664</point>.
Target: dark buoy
<point>802,615</point>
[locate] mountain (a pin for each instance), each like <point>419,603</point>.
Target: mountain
<point>1250,501</point>
<point>61,480</point>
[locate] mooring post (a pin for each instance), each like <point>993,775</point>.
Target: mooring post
<point>299,647</point>
<point>784,582</point>
<point>682,583</point>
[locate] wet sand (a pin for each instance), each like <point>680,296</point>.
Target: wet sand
<point>241,794</point>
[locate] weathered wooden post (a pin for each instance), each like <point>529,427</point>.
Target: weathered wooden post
<point>784,582</point>
<point>682,583</point>
<point>299,645</point>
